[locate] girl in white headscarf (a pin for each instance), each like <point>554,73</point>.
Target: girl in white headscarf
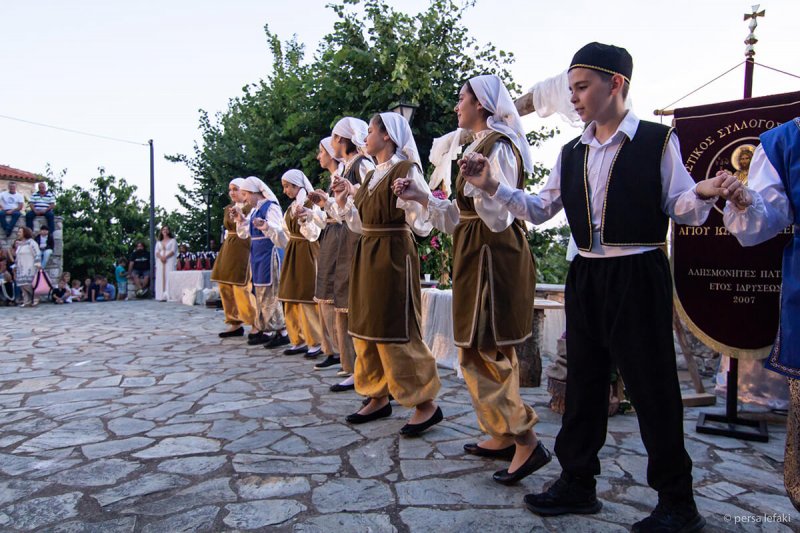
<point>494,277</point>
<point>348,142</point>
<point>302,226</point>
<point>262,225</point>
<point>326,263</point>
<point>384,295</point>
<point>232,269</point>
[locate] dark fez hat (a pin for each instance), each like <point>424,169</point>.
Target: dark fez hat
<point>604,58</point>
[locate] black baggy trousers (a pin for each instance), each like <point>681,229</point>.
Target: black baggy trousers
<point>619,314</point>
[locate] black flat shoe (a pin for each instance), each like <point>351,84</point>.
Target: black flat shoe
<point>383,412</point>
<point>260,339</point>
<point>540,457</point>
<point>368,399</point>
<point>312,354</point>
<point>295,351</point>
<point>238,332</point>
<point>331,360</point>
<point>341,388</point>
<point>413,430</point>
<point>253,335</point>
<point>277,340</point>
<point>503,453</point>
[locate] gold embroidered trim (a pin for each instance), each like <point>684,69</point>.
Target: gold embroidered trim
<point>586,192</point>
<point>601,69</point>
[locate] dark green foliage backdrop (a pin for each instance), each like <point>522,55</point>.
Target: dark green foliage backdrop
<point>373,57</point>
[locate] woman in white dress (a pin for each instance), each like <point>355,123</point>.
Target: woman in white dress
<point>166,248</point>
<point>27,262</point>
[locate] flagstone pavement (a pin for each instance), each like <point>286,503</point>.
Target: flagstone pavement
<point>135,416</point>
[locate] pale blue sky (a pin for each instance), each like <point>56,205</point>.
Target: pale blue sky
<point>141,70</point>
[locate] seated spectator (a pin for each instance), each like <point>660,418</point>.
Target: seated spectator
<point>77,291</point>
<point>11,202</point>
<point>108,290</point>
<point>92,288</point>
<point>45,241</point>
<point>121,276</point>
<point>7,290</point>
<point>41,204</point>
<point>101,290</point>
<point>139,269</point>
<point>61,294</point>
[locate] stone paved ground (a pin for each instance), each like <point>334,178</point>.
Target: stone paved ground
<point>134,416</point>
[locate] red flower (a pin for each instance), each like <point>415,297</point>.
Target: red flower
<point>435,242</point>
<point>424,257</point>
<point>441,195</point>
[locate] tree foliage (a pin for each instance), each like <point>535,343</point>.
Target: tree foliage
<point>374,56</point>
<point>100,223</point>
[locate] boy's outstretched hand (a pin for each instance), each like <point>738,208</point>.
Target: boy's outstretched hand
<point>723,185</point>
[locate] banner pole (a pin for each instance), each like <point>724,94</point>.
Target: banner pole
<point>731,418</point>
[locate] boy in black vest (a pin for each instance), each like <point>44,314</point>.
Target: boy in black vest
<point>619,183</point>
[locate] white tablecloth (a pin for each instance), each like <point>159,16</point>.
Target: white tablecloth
<point>437,326</point>
<point>178,280</point>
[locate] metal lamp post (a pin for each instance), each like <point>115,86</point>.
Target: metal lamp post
<point>405,109</point>
<point>207,198</point>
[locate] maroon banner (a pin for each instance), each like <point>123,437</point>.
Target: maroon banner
<point>727,295</point>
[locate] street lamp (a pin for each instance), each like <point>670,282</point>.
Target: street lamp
<point>405,109</point>
<point>207,198</point>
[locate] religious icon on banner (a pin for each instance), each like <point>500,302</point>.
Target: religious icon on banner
<point>717,282</point>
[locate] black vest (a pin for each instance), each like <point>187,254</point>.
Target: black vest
<point>632,213</point>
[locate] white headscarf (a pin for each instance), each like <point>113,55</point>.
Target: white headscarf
<point>326,143</point>
<point>238,182</point>
<point>494,97</point>
<point>354,129</point>
<point>253,184</point>
<point>400,132</point>
<point>296,177</point>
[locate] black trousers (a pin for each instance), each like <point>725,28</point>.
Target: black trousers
<point>619,314</point>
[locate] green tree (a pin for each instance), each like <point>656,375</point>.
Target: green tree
<point>374,56</point>
<point>101,223</point>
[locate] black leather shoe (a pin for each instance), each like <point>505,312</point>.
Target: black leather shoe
<point>564,497</point>
<point>414,430</point>
<point>540,457</point>
<point>277,340</point>
<point>262,338</point>
<point>667,518</point>
<point>331,360</point>
<point>295,351</point>
<point>253,335</point>
<point>504,453</point>
<point>341,388</point>
<point>383,412</point>
<point>238,332</point>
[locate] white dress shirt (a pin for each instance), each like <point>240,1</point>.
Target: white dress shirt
<point>770,212</point>
<point>678,197</point>
<point>444,214</point>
